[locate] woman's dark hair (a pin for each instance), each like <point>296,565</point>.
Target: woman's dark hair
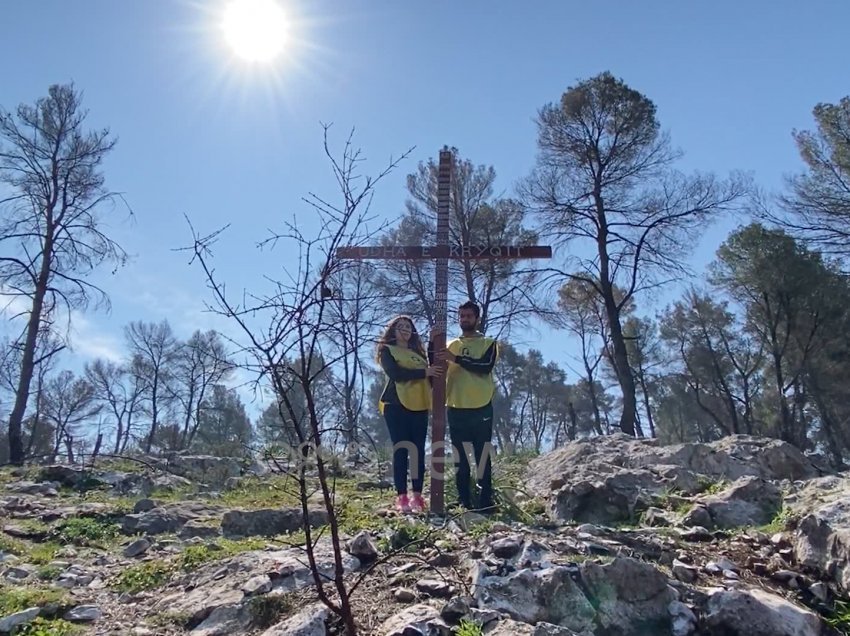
<point>388,338</point>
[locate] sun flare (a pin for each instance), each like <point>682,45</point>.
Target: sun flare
<point>256,30</point>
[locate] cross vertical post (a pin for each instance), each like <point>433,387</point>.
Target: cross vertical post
<point>441,292</point>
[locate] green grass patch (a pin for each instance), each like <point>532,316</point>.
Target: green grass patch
<point>269,609</point>
<point>33,526</point>
<point>673,499</point>
<point>779,523</point>
<point>85,531</point>
<point>12,545</point>
<point>839,620</point>
<point>512,501</point>
<point>195,556</point>
<point>43,553</point>
<point>147,575</point>
<point>170,619</point>
<point>35,553</point>
<point>469,628</point>
<point>481,530</point>
<point>407,536</point>
<point>9,474</point>
<point>119,505</point>
<point>709,487</point>
<point>121,466</point>
<point>267,492</point>
<point>21,597</point>
<point>356,510</point>
<point>46,627</point>
<point>48,572</point>
<point>122,504</point>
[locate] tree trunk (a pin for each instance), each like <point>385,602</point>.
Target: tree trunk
<point>36,419</point>
<point>119,432</point>
<point>187,421</point>
<point>785,432</point>
<point>127,431</point>
<point>97,445</point>
<point>594,401</point>
<point>16,417</point>
<point>154,416</point>
<point>574,422</point>
<point>643,389</point>
<point>638,426</point>
<point>621,357</point>
<point>612,312</point>
<point>69,448</point>
<point>748,407</point>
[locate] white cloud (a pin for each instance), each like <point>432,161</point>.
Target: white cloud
<point>90,341</point>
<point>12,305</point>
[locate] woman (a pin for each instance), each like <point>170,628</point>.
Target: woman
<point>405,403</point>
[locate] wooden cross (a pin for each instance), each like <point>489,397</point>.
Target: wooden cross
<point>442,252</point>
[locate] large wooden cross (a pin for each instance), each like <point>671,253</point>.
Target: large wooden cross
<point>442,252</point>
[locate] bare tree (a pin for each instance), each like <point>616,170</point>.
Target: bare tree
<point>153,349</point>
<point>645,355</point>
<point>355,310</point>
<point>293,348</point>
<point>816,204</point>
<point>120,392</point>
<point>201,363</point>
<point>477,217</point>
<point>50,233</point>
<point>67,401</point>
<point>507,425</point>
<point>604,177</point>
<point>583,317</point>
<point>36,428</point>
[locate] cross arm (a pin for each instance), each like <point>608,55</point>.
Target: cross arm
<point>453,252</point>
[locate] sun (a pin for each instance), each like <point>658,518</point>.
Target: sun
<point>256,30</point>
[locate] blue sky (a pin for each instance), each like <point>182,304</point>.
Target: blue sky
<point>203,135</point>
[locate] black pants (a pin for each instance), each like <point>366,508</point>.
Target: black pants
<point>408,430</point>
<point>472,430</point>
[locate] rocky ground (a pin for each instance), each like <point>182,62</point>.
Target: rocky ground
<point>604,537</point>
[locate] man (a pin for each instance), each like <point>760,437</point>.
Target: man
<point>469,401</point>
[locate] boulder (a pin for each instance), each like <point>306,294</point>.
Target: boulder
<point>821,540</point>
<point>268,522</point>
<point>631,597</point>
<point>405,622</point>
<point>531,596</point>
<point>611,478</point>
<point>310,621</point>
<point>758,613</point>
<point>167,519</point>
<point>748,501</point>
<point>207,469</point>
<point>64,475</point>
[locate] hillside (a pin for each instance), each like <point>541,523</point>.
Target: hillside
<point>606,537</point>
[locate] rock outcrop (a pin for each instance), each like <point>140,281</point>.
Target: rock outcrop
<point>744,536</point>
<point>615,478</point>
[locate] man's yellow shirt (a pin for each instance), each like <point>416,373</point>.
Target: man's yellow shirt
<point>466,389</point>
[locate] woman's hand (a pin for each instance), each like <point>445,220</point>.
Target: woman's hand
<point>433,371</point>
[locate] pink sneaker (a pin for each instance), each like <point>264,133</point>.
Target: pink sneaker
<point>402,504</point>
<point>417,503</point>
